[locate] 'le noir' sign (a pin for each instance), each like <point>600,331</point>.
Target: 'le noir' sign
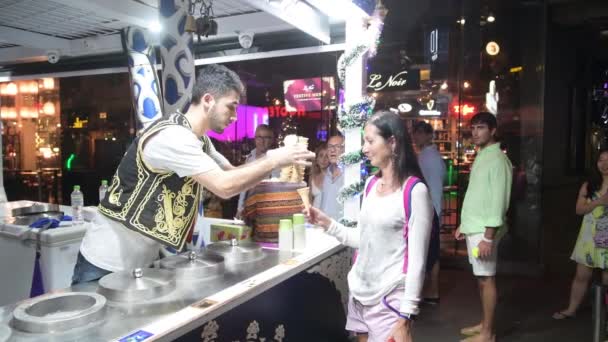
<point>402,80</point>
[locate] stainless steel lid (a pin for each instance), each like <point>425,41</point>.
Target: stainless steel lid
<point>137,285</point>
<point>36,208</point>
<point>239,252</point>
<point>194,265</point>
<point>27,220</point>
<point>58,312</point>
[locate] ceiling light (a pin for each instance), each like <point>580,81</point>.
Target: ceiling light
<point>492,48</point>
<point>491,18</point>
<point>154,26</point>
<point>461,21</point>
<point>444,86</point>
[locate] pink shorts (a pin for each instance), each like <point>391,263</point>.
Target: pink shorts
<point>377,320</point>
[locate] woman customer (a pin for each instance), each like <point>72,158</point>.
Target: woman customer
<point>319,167</point>
<point>591,249</point>
<point>387,278</point>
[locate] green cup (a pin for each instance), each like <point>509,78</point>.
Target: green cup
<point>285,224</point>
<point>298,219</point>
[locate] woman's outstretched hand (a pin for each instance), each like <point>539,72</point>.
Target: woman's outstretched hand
<point>317,217</point>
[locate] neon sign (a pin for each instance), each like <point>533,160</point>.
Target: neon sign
<point>466,109</point>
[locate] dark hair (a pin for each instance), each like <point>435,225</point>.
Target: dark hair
<point>595,179</point>
<point>216,80</point>
<point>389,125</point>
<point>264,127</point>
<point>485,118</point>
<point>422,126</point>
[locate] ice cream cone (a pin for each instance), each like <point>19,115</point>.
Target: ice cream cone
<point>305,195</point>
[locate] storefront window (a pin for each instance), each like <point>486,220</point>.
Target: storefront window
<point>453,61</point>
<point>31,139</point>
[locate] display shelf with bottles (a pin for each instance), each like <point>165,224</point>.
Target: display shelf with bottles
<point>446,134</point>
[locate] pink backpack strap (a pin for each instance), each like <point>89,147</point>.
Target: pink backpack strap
<point>407,206</point>
<point>370,185</point>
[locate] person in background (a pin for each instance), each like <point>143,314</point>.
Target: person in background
<point>483,218</point>
<point>264,140</point>
<point>317,175</point>
<point>154,196</point>
<point>334,179</point>
<point>433,170</point>
<point>387,277</point>
<point>591,249</point>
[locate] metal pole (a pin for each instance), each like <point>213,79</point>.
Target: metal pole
<point>599,313</point>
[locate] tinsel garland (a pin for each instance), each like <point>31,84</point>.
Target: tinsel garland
<point>369,43</point>
<point>348,223</point>
<point>352,158</point>
<point>351,190</point>
<point>355,115</point>
<point>348,58</point>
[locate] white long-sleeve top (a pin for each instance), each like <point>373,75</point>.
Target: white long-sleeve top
<point>379,236</point>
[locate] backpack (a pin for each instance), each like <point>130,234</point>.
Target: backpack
<point>407,206</point>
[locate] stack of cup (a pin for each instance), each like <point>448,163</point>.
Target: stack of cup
<point>285,235</point>
<point>299,232</point>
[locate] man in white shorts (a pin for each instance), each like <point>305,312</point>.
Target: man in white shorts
<point>483,218</point>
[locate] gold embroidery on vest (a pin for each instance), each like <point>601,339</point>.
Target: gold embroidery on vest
<point>114,198</point>
<point>171,219</point>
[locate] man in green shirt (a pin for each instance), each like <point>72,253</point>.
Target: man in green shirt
<point>482,220</point>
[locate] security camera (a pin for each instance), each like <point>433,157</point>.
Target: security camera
<point>53,56</point>
<point>246,39</point>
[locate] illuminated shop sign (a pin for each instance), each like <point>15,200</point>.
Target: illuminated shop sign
<point>430,109</point>
<point>310,94</point>
<point>402,80</point>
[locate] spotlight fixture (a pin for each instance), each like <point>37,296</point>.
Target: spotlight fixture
<point>491,18</point>
<point>205,25</point>
<point>444,86</point>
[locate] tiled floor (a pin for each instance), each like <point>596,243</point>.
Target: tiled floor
<point>524,311</point>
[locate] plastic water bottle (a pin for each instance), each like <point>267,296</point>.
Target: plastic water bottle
<point>103,189</point>
<point>77,200</point>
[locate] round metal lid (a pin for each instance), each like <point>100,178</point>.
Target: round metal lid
<point>58,312</point>
<point>137,285</point>
<point>194,264</point>
<point>237,251</point>
<point>36,208</point>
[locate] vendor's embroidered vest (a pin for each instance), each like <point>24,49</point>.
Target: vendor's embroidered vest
<point>157,204</point>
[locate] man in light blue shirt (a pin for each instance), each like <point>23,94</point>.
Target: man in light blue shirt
<point>433,170</point>
<point>334,179</point>
<point>264,139</point>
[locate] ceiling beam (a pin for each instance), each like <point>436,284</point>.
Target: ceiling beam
<point>298,14</point>
<point>33,40</point>
<point>340,10</point>
<point>127,11</point>
<point>78,47</point>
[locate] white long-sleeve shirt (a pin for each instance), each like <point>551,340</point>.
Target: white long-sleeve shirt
<point>378,269</point>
